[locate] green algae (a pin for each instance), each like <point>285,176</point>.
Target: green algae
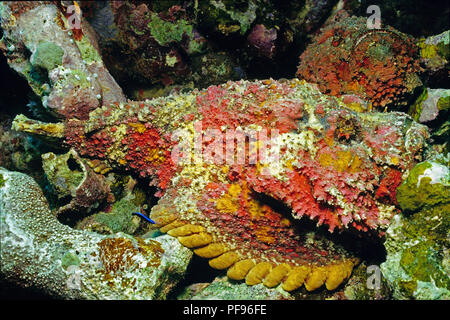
<point>414,194</point>
<point>408,287</point>
<point>88,53</point>
<point>444,103</point>
<point>166,32</point>
<point>35,78</point>
<point>71,78</point>
<point>417,241</point>
<point>416,108</point>
<point>48,56</point>
<point>2,181</point>
<point>380,51</point>
<point>121,216</point>
<point>63,172</point>
<point>422,262</point>
<point>69,259</point>
<point>228,16</point>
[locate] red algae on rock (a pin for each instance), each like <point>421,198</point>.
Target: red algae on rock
<point>214,153</point>
<point>379,65</point>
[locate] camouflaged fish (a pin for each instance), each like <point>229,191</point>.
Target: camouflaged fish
<point>334,165</point>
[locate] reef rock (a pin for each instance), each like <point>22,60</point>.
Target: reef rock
<point>60,62</point>
<point>118,217</point>
<point>39,252</point>
<point>432,108</point>
<point>432,103</point>
<point>417,241</point>
<point>435,55</point>
<point>75,184</point>
<point>224,289</point>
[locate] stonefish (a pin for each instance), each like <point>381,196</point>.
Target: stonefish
<point>225,158</point>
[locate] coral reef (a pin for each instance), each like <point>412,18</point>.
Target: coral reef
<point>336,166</point>
<point>430,104</point>
<point>223,289</point>
<point>417,242</point>
<point>16,151</point>
<point>118,217</point>
<point>63,69</point>
<point>283,189</point>
<point>156,45</point>
<point>432,108</point>
<point>39,251</point>
<point>435,56</point>
<point>152,45</point>
<point>416,17</point>
<point>226,289</point>
<point>77,187</point>
<point>379,65</point>
<point>161,44</point>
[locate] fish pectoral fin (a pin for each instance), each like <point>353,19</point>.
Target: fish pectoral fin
<point>39,128</point>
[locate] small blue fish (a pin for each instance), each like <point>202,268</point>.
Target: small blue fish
<point>144,216</point>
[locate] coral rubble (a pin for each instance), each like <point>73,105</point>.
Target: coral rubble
<point>39,251</point>
<point>417,264</point>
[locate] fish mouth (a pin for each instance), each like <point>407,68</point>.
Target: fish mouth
<point>256,240</point>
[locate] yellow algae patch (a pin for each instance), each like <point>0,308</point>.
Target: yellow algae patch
<point>256,209</point>
<point>163,218</point>
<point>212,250</point>
<point>155,156</point>
<point>258,273</point>
<point>234,190</point>
<point>225,169</point>
<point>139,127</point>
<point>325,159</point>
<point>224,261</point>
<point>342,161</point>
<point>240,269</point>
<point>99,166</point>
<point>289,165</point>
<point>395,161</point>
<point>357,107</point>
<point>262,233</point>
<point>260,167</point>
<point>329,140</point>
<point>228,203</point>
<point>22,123</point>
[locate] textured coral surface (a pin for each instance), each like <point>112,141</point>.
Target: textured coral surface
<point>65,263</point>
